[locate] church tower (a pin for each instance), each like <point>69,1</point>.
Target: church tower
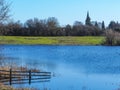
<point>88,20</point>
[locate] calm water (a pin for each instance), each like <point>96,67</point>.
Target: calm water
<point>74,67</point>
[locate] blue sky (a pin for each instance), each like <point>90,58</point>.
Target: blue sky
<point>66,11</point>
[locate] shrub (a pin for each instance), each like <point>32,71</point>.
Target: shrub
<point>112,38</point>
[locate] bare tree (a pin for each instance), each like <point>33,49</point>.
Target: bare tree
<point>4,10</point>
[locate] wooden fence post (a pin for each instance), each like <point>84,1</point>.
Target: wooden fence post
<point>29,77</point>
<point>10,76</point>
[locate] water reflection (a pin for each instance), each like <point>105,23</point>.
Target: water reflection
<point>74,67</point>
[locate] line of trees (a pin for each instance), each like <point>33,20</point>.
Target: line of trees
<point>51,26</point>
<point>48,27</point>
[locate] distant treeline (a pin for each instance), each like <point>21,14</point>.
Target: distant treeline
<point>51,27</point>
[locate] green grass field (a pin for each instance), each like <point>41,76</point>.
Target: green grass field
<point>87,40</point>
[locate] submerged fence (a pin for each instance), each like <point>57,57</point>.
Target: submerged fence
<point>23,77</point>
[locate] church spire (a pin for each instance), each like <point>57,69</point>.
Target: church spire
<point>88,20</point>
<point>88,14</point>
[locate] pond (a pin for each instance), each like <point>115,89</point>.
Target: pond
<point>74,67</point>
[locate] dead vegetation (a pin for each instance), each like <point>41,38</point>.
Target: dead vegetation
<point>15,68</point>
<point>112,38</point>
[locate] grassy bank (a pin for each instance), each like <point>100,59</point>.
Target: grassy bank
<point>87,40</point>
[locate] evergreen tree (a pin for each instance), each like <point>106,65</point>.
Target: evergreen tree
<point>96,24</point>
<point>103,25</point>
